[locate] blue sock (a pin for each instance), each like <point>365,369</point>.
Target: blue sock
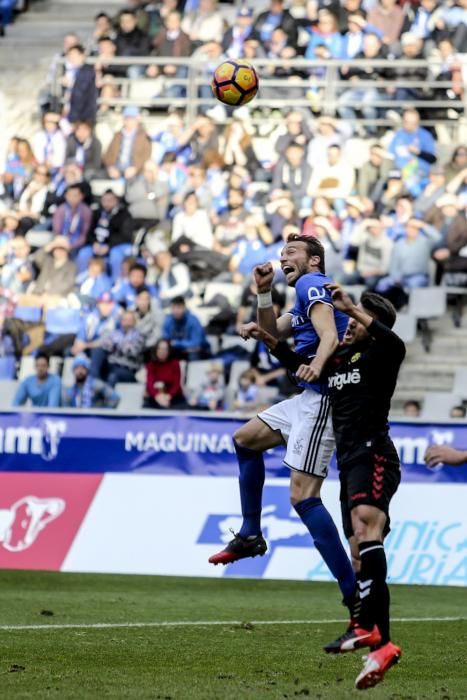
<point>251,480</point>
<point>328,543</point>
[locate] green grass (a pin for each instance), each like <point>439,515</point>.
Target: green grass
<point>226,662</point>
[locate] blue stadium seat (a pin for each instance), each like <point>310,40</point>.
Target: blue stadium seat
<point>29,314</point>
<point>62,321</point>
<point>7,367</point>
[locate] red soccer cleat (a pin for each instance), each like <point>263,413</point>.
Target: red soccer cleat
<point>376,664</point>
<point>240,548</point>
<point>354,638</point>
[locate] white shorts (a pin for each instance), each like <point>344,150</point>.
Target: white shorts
<point>305,424</point>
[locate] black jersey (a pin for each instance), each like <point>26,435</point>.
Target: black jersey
<point>361,379</point>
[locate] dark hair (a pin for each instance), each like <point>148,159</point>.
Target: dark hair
<point>313,247</point>
<point>75,186</point>
<point>105,38</point>
<point>413,402</point>
<point>77,47</point>
<point>100,15</point>
<point>138,266</point>
<point>381,307</point>
<point>42,356</point>
<point>180,301</point>
<point>461,408</point>
<point>128,11</point>
<point>154,349</point>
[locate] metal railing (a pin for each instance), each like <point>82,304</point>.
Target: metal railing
<point>309,84</point>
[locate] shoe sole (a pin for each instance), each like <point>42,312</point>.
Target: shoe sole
<point>374,677</point>
<point>247,556</point>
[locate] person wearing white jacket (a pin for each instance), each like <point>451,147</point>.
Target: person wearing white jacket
<point>49,144</point>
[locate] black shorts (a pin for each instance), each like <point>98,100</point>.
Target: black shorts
<point>371,478</point>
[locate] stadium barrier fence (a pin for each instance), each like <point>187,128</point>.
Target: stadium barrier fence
<point>312,83</point>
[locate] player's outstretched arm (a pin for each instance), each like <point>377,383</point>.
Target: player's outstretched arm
<point>443,454</point>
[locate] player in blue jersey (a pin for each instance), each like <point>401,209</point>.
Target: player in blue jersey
<point>303,422</point>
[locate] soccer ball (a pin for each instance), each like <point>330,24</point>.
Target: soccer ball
<point>235,82</point>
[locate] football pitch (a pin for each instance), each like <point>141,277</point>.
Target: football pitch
<point>98,636</point>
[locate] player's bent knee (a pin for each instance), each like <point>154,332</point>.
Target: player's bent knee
<point>256,435</point>
<point>368,523</point>
<point>303,486</point>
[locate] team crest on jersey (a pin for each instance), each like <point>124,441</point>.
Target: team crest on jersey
<point>356,357</point>
<point>298,446</point>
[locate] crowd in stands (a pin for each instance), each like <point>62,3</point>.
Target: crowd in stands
<point>107,249</point>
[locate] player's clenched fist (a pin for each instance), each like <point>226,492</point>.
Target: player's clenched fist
<point>263,276</point>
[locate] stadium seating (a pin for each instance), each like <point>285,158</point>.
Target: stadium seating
<point>131,396</point>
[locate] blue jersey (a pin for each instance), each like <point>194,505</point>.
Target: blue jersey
<point>310,290</point>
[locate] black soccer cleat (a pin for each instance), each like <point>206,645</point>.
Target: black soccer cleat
<point>240,548</point>
<point>355,637</point>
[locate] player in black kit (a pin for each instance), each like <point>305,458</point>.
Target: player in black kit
<point>361,378</point>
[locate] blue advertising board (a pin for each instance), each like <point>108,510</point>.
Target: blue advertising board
<point>178,444</point>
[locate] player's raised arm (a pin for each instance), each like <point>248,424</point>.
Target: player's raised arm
<point>277,327</point>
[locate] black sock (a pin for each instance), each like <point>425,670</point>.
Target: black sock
<point>373,590</point>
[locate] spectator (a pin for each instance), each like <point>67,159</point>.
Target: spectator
<point>387,17</point>
<point>73,218</point>
<point>231,225</point>
<point>411,255</point>
<point>205,24</point>
<point>327,134</point>
<point>451,223</point>
<point>94,282</point>
<point>171,42</point>
<point>112,235</point>
<point>348,8</point>
<point>148,195</point>
<point>81,95</point>
<point>418,21</point>
<point>100,322</point>
<point>85,149</point>
<point>192,223</point>
<point>17,273</point>
<point>333,179</point>
<point>457,164</point>
<point>102,28</point>
<point>87,391</point>
<point>394,193</point>
<point>412,409</point>
<point>457,412</point>
<point>238,148</point>
<point>292,173</point>
<point>374,253</point>
<point>412,50</point>
<point>363,99</point>
<point>129,149</point>
<point>298,131</point>
<point>250,250</point>
<point>163,378</point>
<point>210,395</point>
<point>235,37</point>
<point>9,222</point>
<point>413,150</point>
<point>452,20</point>
<point>57,273</point>
<point>435,188</point>
<point>32,201</point>
<point>148,317</point>
<point>70,174</point>
<point>121,352</point>
<point>246,396</point>
<point>352,45</point>
<point>131,41</point>
<point>126,292</point>
<point>325,40</point>
<point>49,144</point>
<point>106,69</point>
<point>273,18</point>
<point>201,136</point>
<point>186,334</point>
<point>19,167</point>
<point>172,278</point>
<point>41,389</point>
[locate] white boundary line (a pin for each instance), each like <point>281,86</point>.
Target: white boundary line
<point>206,623</point>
